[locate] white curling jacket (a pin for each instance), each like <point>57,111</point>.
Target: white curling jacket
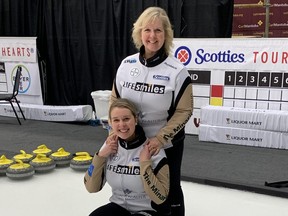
<point>161,89</point>
<point>135,186</point>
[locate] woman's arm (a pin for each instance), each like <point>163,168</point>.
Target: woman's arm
<point>156,182</point>
<point>94,179</point>
<point>156,186</point>
<point>182,114</point>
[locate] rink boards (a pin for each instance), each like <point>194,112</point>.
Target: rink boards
<point>244,126</point>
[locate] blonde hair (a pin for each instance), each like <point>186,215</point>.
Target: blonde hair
<point>123,103</point>
<point>148,16</point>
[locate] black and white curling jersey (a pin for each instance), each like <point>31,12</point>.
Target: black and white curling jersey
<point>160,87</point>
<point>135,185</point>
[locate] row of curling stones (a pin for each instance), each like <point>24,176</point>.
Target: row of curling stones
<point>25,165</point>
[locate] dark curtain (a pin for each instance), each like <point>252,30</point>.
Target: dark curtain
<point>82,42</point>
<point>82,51</point>
<point>207,18</point>
<point>19,18</point>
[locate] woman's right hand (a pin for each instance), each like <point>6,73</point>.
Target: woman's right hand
<point>110,147</point>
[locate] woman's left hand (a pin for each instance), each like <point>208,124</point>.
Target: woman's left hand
<point>145,153</point>
<point>154,145</point>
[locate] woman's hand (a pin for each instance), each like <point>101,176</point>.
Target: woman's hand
<point>110,147</point>
<point>154,145</point>
<point>145,154</point>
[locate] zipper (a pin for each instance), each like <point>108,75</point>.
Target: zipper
<point>122,183</point>
<point>142,93</point>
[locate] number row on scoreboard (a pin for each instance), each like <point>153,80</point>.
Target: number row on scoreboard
<point>259,79</point>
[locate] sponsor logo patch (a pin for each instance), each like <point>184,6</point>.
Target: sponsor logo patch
<point>160,77</point>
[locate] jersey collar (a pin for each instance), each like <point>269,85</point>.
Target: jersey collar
<point>139,139</point>
<point>158,58</point>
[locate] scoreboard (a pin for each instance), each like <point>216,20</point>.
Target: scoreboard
<point>258,90</point>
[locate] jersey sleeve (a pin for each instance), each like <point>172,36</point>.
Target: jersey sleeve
<point>183,109</point>
<point>155,185</point>
<point>94,178</point>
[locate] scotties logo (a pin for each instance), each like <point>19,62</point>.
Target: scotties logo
<point>184,55</point>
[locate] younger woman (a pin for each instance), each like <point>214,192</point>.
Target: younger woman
<point>139,181</point>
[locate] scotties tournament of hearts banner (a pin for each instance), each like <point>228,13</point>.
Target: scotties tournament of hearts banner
<point>235,72</point>
<point>20,52</point>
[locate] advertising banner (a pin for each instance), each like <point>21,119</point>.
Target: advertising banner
<point>235,72</point>
<point>18,49</point>
<point>241,136</point>
<point>235,117</point>
<point>20,52</point>
<point>249,18</point>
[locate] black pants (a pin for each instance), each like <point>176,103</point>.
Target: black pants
<point>176,197</point>
<point>116,210</point>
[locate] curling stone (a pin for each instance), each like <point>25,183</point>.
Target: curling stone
<point>42,149</point>
<point>26,158</point>
<point>61,157</point>
<point>42,163</point>
<point>81,161</point>
<point>20,170</point>
<point>4,164</point>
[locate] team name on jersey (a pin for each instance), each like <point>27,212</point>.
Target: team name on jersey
<point>145,87</point>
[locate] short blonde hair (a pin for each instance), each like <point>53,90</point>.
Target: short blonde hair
<point>148,16</point>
